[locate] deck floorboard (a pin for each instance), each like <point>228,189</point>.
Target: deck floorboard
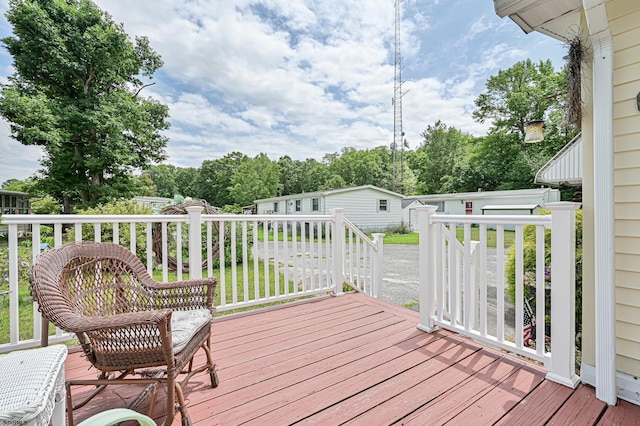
<point>359,361</point>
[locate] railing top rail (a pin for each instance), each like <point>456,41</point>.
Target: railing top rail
<point>25,219</point>
<point>359,233</point>
<point>494,219</point>
<point>266,217</point>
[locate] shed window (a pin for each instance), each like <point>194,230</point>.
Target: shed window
<point>383,205</point>
<point>275,207</point>
<point>298,205</point>
<point>315,204</point>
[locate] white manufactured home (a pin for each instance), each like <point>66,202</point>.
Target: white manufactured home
<point>368,207</point>
<point>475,202</point>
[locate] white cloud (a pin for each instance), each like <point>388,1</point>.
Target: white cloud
<point>304,78</point>
<point>17,161</point>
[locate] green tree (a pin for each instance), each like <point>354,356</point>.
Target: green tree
<point>186,178</point>
<point>524,92</point>
<point>302,176</point>
<point>362,167</point>
<point>434,161</point>
<point>254,179</point>
<point>76,92</point>
<point>164,179</point>
<point>502,161</point>
<point>213,182</point>
<point>313,176</point>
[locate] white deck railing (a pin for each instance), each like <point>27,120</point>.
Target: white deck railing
<point>270,258</point>
<point>277,257</point>
<point>460,301</point>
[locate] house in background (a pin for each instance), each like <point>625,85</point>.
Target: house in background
<point>14,202</point>
<point>475,202</point>
<point>368,207</point>
<point>156,203</point>
<point>609,31</point>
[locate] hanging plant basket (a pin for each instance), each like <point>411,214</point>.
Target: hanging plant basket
<point>173,209</point>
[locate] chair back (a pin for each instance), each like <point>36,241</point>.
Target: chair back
<point>88,279</point>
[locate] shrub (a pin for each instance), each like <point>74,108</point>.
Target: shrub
<point>123,207</point>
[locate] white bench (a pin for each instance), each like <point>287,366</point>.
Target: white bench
<point>32,387</point>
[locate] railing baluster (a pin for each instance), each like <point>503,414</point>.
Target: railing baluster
<point>294,239</point>
<point>519,286</point>
<point>209,246</point>
<point>165,252</point>
<point>222,280</point>
<point>149,248</point>
<point>467,275</point>
<point>266,259</point>
<point>483,279</point>
<point>245,262</point>
<point>453,274</point>
<point>179,252</point>
<point>540,311</point>
<point>256,262</point>
<point>276,258</point>
<point>500,281</point>
<point>234,263</point>
<point>116,233</point>
<point>285,262</point>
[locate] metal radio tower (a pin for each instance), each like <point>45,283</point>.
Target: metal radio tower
<point>399,141</point>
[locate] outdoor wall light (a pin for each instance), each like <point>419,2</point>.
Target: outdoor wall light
<point>533,131</point>
<point>638,101</point>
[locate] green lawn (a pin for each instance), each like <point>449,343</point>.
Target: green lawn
<point>26,305</point>
<point>413,238</point>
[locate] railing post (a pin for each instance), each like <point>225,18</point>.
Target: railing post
<point>378,264</point>
<point>426,253</point>
<point>338,251</point>
<point>195,241</point>
<point>563,292</point>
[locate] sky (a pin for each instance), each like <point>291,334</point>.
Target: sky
<point>305,78</point>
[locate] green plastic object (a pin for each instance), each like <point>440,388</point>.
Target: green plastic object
<point>117,415</point>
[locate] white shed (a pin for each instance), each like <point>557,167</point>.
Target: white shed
<point>513,209</point>
<point>368,207</point>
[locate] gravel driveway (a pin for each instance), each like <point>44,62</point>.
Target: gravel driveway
<point>401,283</point>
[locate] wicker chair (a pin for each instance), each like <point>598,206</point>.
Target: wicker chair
<point>132,328</point>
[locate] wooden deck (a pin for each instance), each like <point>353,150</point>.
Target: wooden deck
<point>355,360</point>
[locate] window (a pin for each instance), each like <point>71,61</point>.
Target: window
<point>315,204</point>
<point>275,207</point>
<point>298,205</point>
<point>383,205</point>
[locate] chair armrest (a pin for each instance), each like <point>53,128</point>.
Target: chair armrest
<point>81,324</point>
<point>198,293</point>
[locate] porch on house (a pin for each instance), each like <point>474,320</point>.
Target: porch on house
<point>357,360</point>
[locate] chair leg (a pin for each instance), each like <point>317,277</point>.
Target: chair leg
<point>69,404</point>
<point>215,381</point>
<point>182,406</point>
<point>171,399</point>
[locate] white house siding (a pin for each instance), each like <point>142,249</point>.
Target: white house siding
<point>361,208</point>
<point>457,203</point>
<point>624,21</point>
<point>360,205</point>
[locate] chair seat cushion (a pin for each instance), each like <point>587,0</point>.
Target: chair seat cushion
<point>185,324</point>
